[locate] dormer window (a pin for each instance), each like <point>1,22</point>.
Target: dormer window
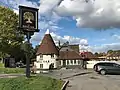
<point>52,55</point>
<point>41,56</point>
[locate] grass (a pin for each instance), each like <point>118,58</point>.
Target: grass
<point>1,65</point>
<point>4,70</point>
<point>23,83</point>
<point>33,83</point>
<point>12,70</point>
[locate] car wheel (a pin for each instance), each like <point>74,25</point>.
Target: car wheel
<point>102,72</point>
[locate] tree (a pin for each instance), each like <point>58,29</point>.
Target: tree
<point>31,51</point>
<point>96,54</point>
<point>36,48</point>
<point>10,38</point>
<point>110,51</point>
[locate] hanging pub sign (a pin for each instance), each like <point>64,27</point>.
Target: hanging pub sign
<point>28,19</point>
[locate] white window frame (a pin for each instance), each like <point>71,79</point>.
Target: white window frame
<point>41,65</point>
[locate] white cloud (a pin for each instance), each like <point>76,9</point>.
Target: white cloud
<point>117,37</point>
<point>105,47</point>
<point>27,3</point>
<point>85,48</point>
<point>47,17</point>
<point>43,25</point>
<point>83,42</point>
<point>99,14</point>
<point>14,4</point>
<point>51,24</point>
<point>84,45</point>
<point>65,38</point>
<point>96,14</point>
<point>47,6</point>
<point>37,37</point>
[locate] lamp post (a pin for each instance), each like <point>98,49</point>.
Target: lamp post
<point>28,24</point>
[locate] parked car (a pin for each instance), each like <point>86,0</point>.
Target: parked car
<point>107,68</point>
<point>20,65</point>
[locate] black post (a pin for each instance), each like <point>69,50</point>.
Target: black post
<point>28,55</point>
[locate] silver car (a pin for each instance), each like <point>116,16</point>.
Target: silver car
<point>107,68</point>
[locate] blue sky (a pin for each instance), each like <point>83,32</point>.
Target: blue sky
<point>93,25</point>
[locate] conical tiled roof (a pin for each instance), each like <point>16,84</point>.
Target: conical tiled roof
<point>47,46</point>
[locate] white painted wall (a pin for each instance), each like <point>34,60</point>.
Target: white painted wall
<point>61,62</point>
<point>46,61</point>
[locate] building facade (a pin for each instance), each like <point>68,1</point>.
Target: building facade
<point>50,56</point>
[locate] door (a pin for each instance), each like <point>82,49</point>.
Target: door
<point>116,68</point>
<point>110,67</point>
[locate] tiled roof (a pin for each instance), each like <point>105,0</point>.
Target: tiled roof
<point>88,55</point>
<point>74,47</point>
<point>47,46</point>
<point>66,52</point>
<point>69,55</point>
<point>114,54</point>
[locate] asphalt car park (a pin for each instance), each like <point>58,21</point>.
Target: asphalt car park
<point>94,81</point>
<point>86,79</point>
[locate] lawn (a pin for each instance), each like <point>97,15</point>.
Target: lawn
<point>12,70</point>
<point>1,65</point>
<point>33,83</point>
<point>4,70</point>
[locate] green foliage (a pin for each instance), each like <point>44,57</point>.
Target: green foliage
<point>29,49</point>
<point>110,51</point>
<point>96,54</point>
<point>99,54</point>
<point>1,65</point>
<point>33,83</point>
<point>36,48</point>
<point>10,38</point>
<point>12,70</point>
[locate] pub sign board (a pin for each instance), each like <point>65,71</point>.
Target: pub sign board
<point>28,19</point>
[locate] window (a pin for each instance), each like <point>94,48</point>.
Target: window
<point>78,61</point>
<point>74,61</point>
<point>71,61</point>
<point>52,55</point>
<point>41,56</point>
<point>60,62</point>
<point>67,62</point>
<point>105,64</point>
<point>41,65</point>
